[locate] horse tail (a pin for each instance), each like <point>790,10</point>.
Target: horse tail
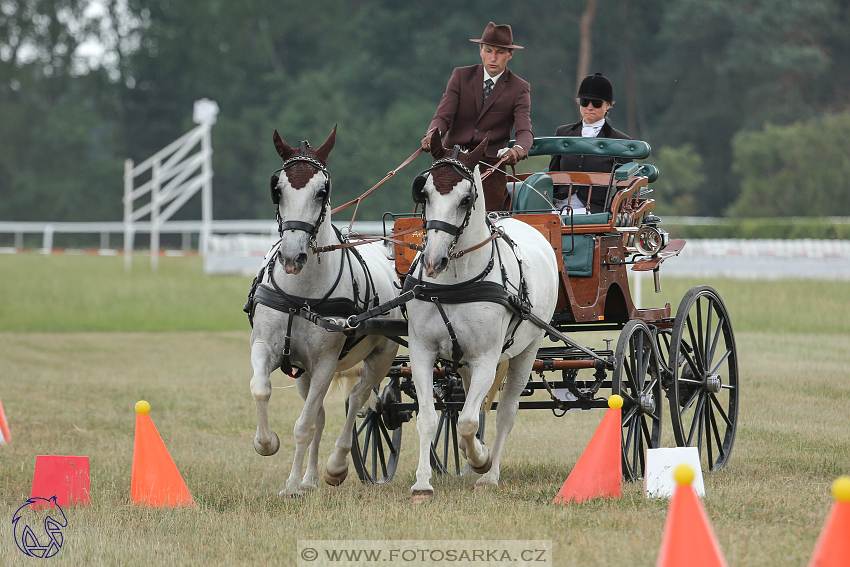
<point>501,373</point>
<point>343,381</point>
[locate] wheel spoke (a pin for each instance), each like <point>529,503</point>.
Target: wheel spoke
<point>698,420</point>
<point>367,439</point>
<point>721,361</point>
<point>706,413</point>
<point>695,359</point>
<point>689,403</point>
<point>708,317</point>
<point>631,429</point>
<point>720,409</point>
<point>456,451</point>
<point>637,443</point>
<point>697,416</point>
<point>720,452</point>
<point>647,435</point>
<point>376,440</point>
<point>715,340</point>
<point>699,328</point>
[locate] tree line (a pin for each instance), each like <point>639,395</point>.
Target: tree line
<point>745,102</point>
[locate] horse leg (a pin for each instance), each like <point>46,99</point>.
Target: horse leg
<point>422,366</point>
<point>518,373</point>
<point>375,368</point>
<point>473,449</point>
<point>312,386</point>
<point>311,476</point>
<point>266,441</point>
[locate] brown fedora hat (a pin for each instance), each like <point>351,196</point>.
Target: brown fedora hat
<point>500,36</point>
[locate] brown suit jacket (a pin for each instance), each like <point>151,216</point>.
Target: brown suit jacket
<point>465,119</point>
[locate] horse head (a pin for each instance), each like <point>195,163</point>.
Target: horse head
<point>301,189</point>
<point>449,192</point>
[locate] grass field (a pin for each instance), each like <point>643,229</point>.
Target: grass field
<point>81,342</point>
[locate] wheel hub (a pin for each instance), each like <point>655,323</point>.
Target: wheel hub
<point>647,403</point>
<point>713,383</point>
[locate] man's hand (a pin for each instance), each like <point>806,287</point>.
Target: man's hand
<point>514,154</point>
<point>426,141</point>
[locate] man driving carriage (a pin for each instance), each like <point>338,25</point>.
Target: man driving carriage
<point>595,98</point>
<point>487,98</point>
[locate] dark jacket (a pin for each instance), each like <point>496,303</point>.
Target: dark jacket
<point>465,119</point>
<point>586,164</point>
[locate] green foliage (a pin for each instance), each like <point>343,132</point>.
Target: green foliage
<point>687,74</point>
<point>680,177</point>
<point>781,228</point>
<point>801,169</point>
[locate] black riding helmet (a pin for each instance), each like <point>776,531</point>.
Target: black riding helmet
<point>596,87</point>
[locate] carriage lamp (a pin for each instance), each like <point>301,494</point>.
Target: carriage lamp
<point>649,240</point>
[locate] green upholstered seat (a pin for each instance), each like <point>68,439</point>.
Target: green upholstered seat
<point>582,220</point>
<point>567,145</point>
<point>577,250</point>
<point>629,170</point>
<point>533,194</point>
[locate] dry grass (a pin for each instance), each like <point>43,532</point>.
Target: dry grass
<point>74,393</point>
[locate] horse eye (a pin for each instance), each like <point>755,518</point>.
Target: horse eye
<point>465,201</point>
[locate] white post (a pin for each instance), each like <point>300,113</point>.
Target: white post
<point>155,187</point>
<point>206,191</point>
<point>128,214</point>
<point>205,113</point>
<point>47,240</point>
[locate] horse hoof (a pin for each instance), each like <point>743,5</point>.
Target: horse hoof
<point>335,480</point>
<point>291,495</point>
<point>483,485</point>
<point>421,496</point>
<point>485,468</point>
<point>270,449</point>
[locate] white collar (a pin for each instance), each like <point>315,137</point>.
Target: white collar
<point>494,79</point>
<point>591,130</point>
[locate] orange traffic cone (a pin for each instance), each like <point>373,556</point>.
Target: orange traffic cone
<point>155,480</point>
<point>599,470</point>
<point>5,432</point>
<point>688,536</point>
<point>833,546</point>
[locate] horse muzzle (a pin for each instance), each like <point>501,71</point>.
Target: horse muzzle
<point>435,266</point>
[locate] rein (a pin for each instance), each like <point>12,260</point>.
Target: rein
<point>378,184</point>
<point>368,239</point>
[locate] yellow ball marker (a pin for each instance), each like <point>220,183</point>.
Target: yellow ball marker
<point>615,401</point>
<point>841,489</point>
<point>142,407</point>
<point>684,474</point>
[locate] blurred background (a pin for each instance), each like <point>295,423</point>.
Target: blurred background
<point>746,103</point>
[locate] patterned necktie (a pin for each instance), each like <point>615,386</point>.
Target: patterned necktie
<point>488,86</point>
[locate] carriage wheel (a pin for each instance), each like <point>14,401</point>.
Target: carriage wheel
<point>638,377</point>
<point>703,363</point>
<point>375,448</point>
<point>446,457</point>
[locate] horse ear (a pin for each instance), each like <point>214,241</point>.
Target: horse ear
<point>323,152</point>
<point>475,155</point>
<point>437,149</point>
<point>284,150</point>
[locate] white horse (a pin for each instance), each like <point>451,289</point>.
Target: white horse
<point>301,295</point>
<point>470,322</point>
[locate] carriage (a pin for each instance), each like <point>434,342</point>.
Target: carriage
<point>690,358</point>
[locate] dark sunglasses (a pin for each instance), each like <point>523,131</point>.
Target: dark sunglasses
<point>594,102</point>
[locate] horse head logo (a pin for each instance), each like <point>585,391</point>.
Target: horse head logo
<point>41,545</point>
